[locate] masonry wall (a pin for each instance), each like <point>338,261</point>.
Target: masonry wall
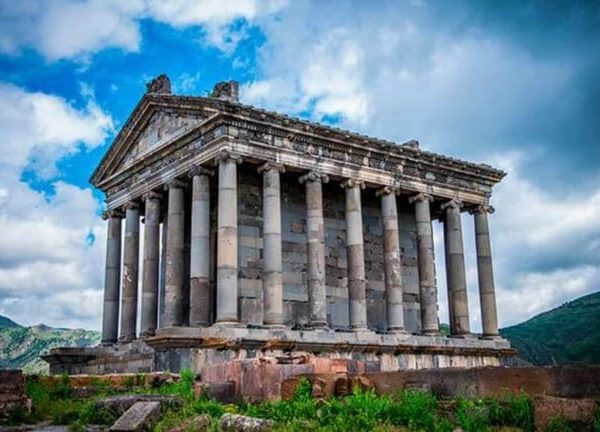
<point>294,254</point>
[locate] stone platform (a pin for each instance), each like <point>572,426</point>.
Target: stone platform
<point>205,350</point>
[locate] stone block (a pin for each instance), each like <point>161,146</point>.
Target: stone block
<point>222,391</point>
<point>251,310</point>
<point>140,416</point>
<point>240,423</point>
<point>118,405</point>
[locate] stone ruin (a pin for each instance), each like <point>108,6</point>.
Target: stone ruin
<point>274,238</point>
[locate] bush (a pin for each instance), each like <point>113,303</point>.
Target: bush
<point>559,424</point>
<point>511,410</point>
<point>472,415</point>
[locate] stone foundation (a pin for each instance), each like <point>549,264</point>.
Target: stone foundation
<point>223,350</point>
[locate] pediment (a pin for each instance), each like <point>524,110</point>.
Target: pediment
<point>161,128</point>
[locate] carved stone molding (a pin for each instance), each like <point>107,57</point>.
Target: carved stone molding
<point>420,197</point>
<point>387,190</point>
<point>350,183</point>
<point>314,176</point>
<point>453,203</point>
<point>132,205</point>
<point>152,195</point>
<point>175,183</point>
<point>482,209</point>
<point>200,170</point>
<point>271,166</point>
<point>115,213</point>
<point>227,155</point>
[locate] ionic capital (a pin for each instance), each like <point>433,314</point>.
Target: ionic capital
<point>387,190</point>
<point>271,166</point>
<point>225,155</point>
<point>453,203</point>
<point>350,183</point>
<point>483,208</point>
<point>115,213</point>
<point>132,205</point>
<point>175,184</point>
<point>198,170</point>
<point>420,197</point>
<point>152,195</point>
<point>314,176</point>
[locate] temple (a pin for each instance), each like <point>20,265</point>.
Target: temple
<point>266,236</point>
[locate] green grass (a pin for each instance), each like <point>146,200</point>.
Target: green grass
<point>407,411</point>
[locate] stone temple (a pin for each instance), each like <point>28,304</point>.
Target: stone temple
<point>270,237</point>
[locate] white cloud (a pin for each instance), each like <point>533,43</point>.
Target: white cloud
<point>66,29</point>
<point>47,264</point>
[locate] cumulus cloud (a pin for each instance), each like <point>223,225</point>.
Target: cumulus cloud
<point>51,248</point>
<point>65,29</point>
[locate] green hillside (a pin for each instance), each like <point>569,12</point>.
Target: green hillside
<point>20,347</point>
<point>567,334</point>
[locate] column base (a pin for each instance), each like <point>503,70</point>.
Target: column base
<point>490,337</point>
<point>126,339</point>
<point>396,331</point>
<point>228,324</point>
<point>147,333</point>
<point>463,336</point>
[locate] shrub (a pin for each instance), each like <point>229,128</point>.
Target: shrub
<point>511,410</point>
<point>472,415</point>
<point>415,409</point>
<point>558,424</point>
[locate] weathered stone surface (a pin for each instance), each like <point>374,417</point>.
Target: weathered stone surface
<point>12,393</point>
<point>141,416</point>
<point>240,423</point>
<point>118,405</point>
<point>197,424</point>
<point>223,391</point>
<point>579,412</point>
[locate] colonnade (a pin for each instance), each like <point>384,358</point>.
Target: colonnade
<point>120,294</point>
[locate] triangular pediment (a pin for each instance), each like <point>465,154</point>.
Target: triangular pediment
<point>150,127</point>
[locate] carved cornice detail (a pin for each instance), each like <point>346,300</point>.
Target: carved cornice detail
<point>115,213</point>
<point>420,197</point>
<point>132,205</point>
<point>175,183</point>
<point>200,170</point>
<point>453,204</point>
<point>225,155</point>
<point>152,195</point>
<point>387,190</point>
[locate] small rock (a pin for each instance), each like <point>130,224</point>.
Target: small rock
<point>141,416</point>
<point>240,423</point>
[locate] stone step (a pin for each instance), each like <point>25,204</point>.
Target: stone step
<point>140,417</point>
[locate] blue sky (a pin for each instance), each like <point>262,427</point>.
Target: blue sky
<point>513,84</point>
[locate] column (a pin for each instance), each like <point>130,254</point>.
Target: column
<point>393,265</point>
<point>163,270</point>
<point>455,269</point>
<point>175,268</point>
<point>112,276</point>
<point>151,264</point>
<point>227,241</point>
<point>272,278</point>
<point>485,272</point>
<point>356,255</point>
<point>426,264</point>
<point>315,237</point>
<point>200,299</point>
<point>129,295</point>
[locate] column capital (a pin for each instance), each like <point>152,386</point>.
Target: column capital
<point>227,155</point>
<point>350,183</point>
<point>314,176</point>
<point>198,170</point>
<point>175,184</point>
<point>420,197</point>
<point>132,205</point>
<point>114,213</point>
<point>453,203</point>
<point>152,195</point>
<point>483,208</point>
<point>387,190</point>
<point>271,166</point>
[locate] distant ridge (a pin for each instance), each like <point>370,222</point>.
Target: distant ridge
<point>569,333</point>
<point>20,347</point>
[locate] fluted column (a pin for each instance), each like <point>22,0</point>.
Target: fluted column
<point>315,237</point>
<point>227,241</point>
<point>151,264</point>
<point>200,301</point>
<point>356,254</point>
<point>485,272</point>
<point>392,260</point>
<point>129,297</point>
<point>112,276</point>
<point>175,268</point>
<point>426,264</point>
<point>455,270</point>
<point>272,268</point>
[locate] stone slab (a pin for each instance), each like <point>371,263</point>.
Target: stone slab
<point>141,416</point>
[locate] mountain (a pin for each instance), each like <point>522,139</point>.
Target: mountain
<point>568,334</point>
<point>20,347</point>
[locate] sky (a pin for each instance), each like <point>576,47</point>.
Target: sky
<point>515,84</point>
